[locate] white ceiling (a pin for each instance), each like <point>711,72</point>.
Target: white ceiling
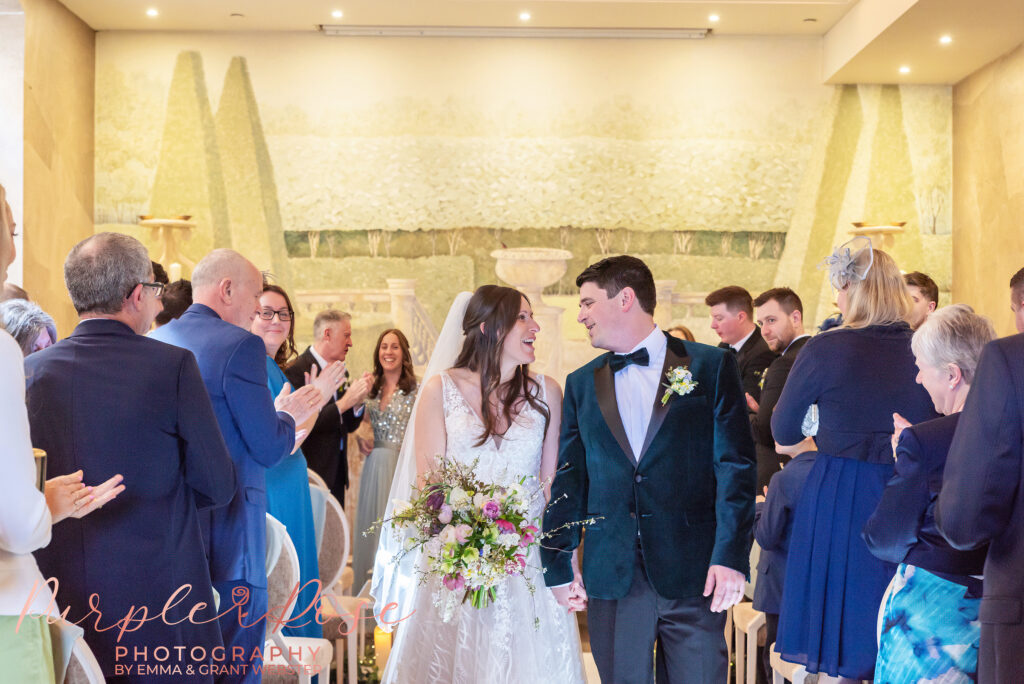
<point>737,16</point>
<point>864,41</point>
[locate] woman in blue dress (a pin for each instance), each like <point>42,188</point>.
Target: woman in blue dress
<point>929,619</point>
<point>858,375</point>
<point>288,497</point>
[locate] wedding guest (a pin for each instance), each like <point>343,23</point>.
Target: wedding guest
<point>930,628</point>
<point>159,274</point>
<point>12,291</point>
<point>31,327</point>
<point>259,431</point>
<point>681,332</point>
<point>176,300</point>
<point>389,405</point>
<point>732,317</point>
<point>925,295</point>
<point>155,425</point>
<point>858,375</point>
<point>288,497</point>
<point>325,448</point>
<point>981,500</point>
<point>773,528</point>
<point>780,316</point>
<point>26,512</point>
<point>1017,299</point>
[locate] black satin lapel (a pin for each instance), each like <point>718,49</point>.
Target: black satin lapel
<point>604,388</point>
<point>672,360</point>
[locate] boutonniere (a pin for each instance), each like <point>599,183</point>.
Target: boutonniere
<point>760,378</point>
<point>680,381</point>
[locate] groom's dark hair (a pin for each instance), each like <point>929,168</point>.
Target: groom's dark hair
<point>614,273</point>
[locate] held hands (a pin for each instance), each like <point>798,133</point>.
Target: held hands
<point>67,496</point>
<point>301,404</point>
<point>328,380</point>
<point>727,585</point>
<point>571,596</point>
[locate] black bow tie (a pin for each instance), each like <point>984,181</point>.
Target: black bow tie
<point>619,361</point>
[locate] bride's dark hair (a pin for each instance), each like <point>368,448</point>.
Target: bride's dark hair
<point>496,308</point>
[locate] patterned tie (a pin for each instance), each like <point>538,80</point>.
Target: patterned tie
<point>619,361</point>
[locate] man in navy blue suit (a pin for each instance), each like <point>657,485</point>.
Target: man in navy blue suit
<point>259,431</point>
<point>981,499</point>
<point>109,400</point>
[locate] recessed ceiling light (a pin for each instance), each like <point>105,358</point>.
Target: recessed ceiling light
<point>810,20</point>
<point>904,69</point>
<point>525,16</point>
<point>946,40</point>
<point>237,15</point>
<point>713,18</point>
<point>337,14</point>
<point>152,12</point>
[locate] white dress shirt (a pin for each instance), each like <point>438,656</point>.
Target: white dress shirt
<point>739,345</point>
<point>636,387</point>
<point>24,516</point>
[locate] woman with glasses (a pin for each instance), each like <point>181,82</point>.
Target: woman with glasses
<point>288,497</point>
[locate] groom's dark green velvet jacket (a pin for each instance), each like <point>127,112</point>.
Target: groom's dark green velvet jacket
<point>690,498</point>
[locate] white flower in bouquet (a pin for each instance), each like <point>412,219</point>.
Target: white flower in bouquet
<point>458,497</point>
<point>479,499</point>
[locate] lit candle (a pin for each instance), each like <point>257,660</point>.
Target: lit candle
<point>174,272</point>
<point>381,646</point>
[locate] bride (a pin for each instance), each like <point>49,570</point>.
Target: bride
<point>482,406</point>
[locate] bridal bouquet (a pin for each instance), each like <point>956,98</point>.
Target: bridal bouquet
<point>472,534</point>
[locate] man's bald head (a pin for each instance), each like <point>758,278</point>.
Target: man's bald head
<point>228,283</point>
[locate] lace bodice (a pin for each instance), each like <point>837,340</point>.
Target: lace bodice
<point>389,424</point>
<point>514,456</point>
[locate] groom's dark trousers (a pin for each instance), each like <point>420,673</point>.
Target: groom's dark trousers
<point>691,645</point>
<point>661,516</point>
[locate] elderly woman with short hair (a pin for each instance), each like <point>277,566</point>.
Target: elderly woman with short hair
<point>929,629</point>
<point>31,327</point>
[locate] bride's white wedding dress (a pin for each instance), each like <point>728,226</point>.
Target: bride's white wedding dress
<point>521,637</point>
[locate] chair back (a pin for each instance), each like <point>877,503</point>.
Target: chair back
<point>83,667</point>
<point>334,550</point>
<point>315,479</point>
<point>283,575</point>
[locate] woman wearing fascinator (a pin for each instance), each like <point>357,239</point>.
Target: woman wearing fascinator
<point>858,375</point>
<point>480,406</point>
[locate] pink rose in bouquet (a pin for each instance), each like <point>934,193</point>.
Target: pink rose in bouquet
<point>505,527</point>
<point>445,514</point>
<point>491,509</point>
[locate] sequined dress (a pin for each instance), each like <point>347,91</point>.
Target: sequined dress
<point>523,636</point>
<point>389,426</point>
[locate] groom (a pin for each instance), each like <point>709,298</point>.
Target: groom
<point>670,477</point>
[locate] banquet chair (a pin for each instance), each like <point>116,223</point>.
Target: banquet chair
<point>783,671</point>
<point>747,623</point>
<point>333,557</point>
<point>315,479</point>
<point>83,667</point>
<point>346,617</point>
<point>278,648</point>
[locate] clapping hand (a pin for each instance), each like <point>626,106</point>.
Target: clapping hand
<point>356,393</point>
<point>302,404</point>
<point>727,585</point>
<point>67,496</point>
<point>899,424</point>
<point>328,380</point>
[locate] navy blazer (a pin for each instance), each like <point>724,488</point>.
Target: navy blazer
<point>902,528</point>
<point>982,501</point>
<point>773,525</point>
<point>233,364</point>
<point>109,401</point>
<point>690,498</point>
<point>858,377</point>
